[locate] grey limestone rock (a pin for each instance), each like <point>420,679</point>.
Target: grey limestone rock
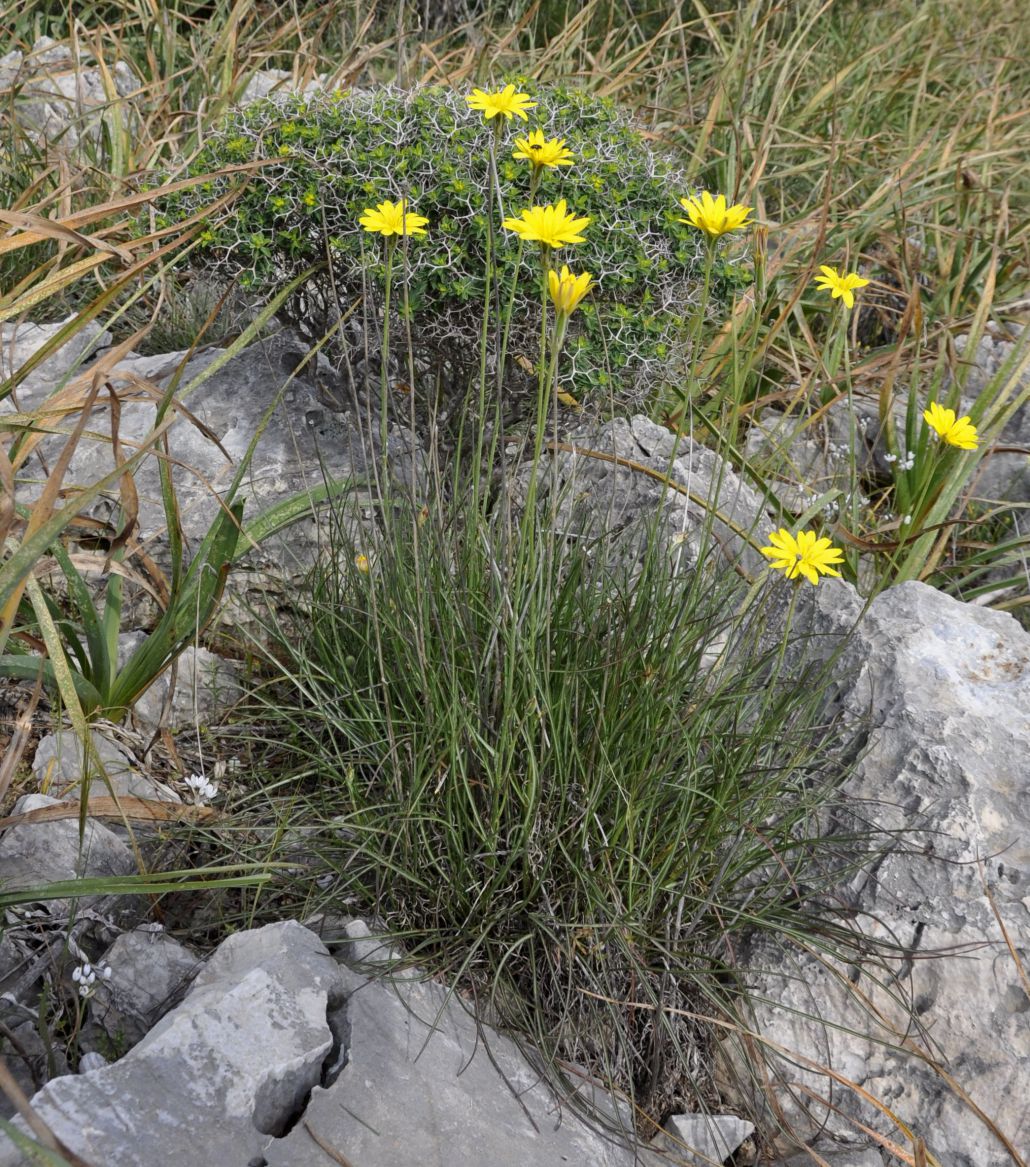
<point>148,969</point>
<point>220,1076</point>
<point>303,444</point>
<point>199,691</point>
<point>423,1082</point>
<point>835,1157</point>
<point>278,82</point>
<point>806,459</point>
<point>60,99</point>
<point>33,854</point>
<point>697,1140</point>
<point>19,343</point>
<point>1003,475</point>
<point>58,766</point>
<point>301,441</point>
<point>945,691</point>
<point>606,482</point>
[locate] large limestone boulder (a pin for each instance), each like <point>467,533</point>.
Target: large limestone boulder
<point>938,1028</point>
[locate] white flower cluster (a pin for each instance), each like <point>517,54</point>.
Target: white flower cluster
<point>85,976</point>
<point>905,462</point>
<point>203,790</point>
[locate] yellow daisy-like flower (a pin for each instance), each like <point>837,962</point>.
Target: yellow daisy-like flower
<point>551,226</point>
<point>955,431</point>
<point>567,290</point>
<point>840,286</point>
<point>505,102</point>
<point>393,219</point>
<point>541,152</point>
<point>713,216</point>
<point>806,555</point>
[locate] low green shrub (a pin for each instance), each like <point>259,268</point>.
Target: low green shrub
<point>329,156</point>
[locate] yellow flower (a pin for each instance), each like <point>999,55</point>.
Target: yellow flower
<point>393,219</point>
<point>955,431</point>
<point>540,152</point>
<point>567,290</point>
<point>551,226</point>
<point>840,286</point>
<point>505,102</point>
<point>713,216</point>
<point>361,563</point>
<point>806,555</point>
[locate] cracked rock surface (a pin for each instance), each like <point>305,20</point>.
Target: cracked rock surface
<point>218,1076</point>
<point>422,1083</point>
<point>944,689</point>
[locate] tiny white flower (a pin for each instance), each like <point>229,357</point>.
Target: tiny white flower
<point>202,789</point>
<point>890,457</point>
<point>85,976</point>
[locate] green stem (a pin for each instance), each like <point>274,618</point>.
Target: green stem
<point>479,421</point>
<point>561,323</point>
<point>697,323</point>
<point>534,182</point>
<point>384,386</point>
<point>529,524</point>
<point>852,439</point>
<point>543,381</point>
<point>788,622</point>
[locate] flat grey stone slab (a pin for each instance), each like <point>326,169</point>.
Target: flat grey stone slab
<point>696,1140</point>
<point>422,1084</point>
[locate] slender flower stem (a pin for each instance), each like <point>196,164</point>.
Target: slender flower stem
<point>484,333</point>
<point>384,387</point>
<point>543,384</point>
<point>530,521</point>
<point>561,322</point>
<point>534,182</point>
<point>852,440</point>
<point>787,623</point>
<point>697,323</point>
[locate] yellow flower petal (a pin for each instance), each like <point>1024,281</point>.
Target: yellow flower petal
<point>393,219</point>
<point>552,226</point>
<point>840,287</point>
<point>541,152</point>
<point>713,216</point>
<point>804,555</point>
<point>959,432</point>
<point>567,290</point>
<point>504,102</point>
